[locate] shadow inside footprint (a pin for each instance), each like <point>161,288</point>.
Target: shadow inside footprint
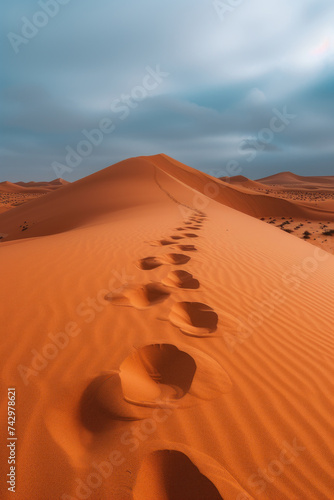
<point>171,475</point>
<point>187,248</point>
<point>176,237</point>
<point>156,373</point>
<point>149,263</point>
<point>102,402</point>
<point>177,259</point>
<point>181,279</point>
<point>191,235</point>
<point>161,243</point>
<point>141,297</point>
<point>194,318</point>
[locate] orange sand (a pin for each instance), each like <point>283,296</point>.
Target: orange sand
<point>164,343</point>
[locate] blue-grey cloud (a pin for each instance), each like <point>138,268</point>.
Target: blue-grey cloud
<point>232,77</point>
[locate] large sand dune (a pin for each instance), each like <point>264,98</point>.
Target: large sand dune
<point>93,198</point>
<point>164,343</point>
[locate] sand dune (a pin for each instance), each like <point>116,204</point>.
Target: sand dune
<point>315,193</point>
<point>31,187</point>
<point>201,368</point>
<point>288,179</point>
<point>94,197</point>
<point>311,204</point>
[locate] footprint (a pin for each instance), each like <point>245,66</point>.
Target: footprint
<point>149,263</point>
<point>154,376</point>
<point>179,229</point>
<point>187,248</point>
<point>191,235</point>
<point>159,243</point>
<point>176,259</point>
<point>102,402</point>
<point>156,373</point>
<point>176,237</point>
<point>166,376</point>
<point>194,318</point>
<point>171,475</point>
<point>140,297</point>
<point>181,279</point>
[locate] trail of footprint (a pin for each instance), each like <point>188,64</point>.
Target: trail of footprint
<point>172,476</point>
<point>194,318</point>
<point>181,279</point>
<point>140,297</point>
<point>187,248</point>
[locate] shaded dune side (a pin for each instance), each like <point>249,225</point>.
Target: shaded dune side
<point>240,180</point>
<point>237,197</point>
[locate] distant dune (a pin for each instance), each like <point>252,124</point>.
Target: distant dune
<point>18,193</point>
<point>164,343</point>
<point>31,187</point>
<point>288,179</point>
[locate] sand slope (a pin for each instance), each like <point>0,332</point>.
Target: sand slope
<point>163,344</point>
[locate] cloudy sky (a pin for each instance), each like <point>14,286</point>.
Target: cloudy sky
<point>223,86</point>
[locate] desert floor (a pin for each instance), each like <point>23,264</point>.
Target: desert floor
<point>166,343</point>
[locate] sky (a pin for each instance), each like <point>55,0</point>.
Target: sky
<point>227,87</point>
